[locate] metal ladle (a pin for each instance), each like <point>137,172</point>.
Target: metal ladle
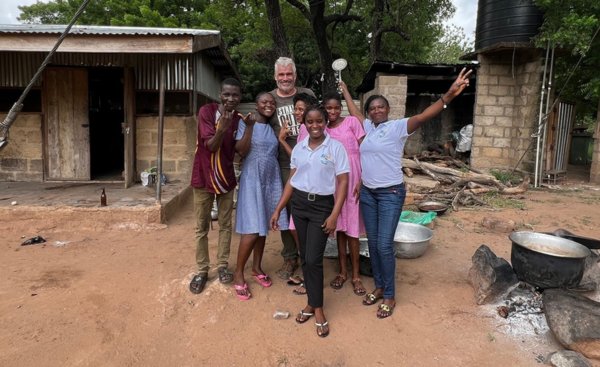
<point>338,65</point>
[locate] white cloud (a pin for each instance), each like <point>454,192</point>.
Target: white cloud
<point>9,10</point>
<point>465,16</point>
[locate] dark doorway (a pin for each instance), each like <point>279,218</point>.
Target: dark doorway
<point>106,115</point>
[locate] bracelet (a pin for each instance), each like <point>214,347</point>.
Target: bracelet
<point>443,102</point>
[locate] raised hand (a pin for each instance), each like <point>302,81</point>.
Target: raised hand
<point>283,133</point>
<point>225,120</point>
<point>461,82</point>
<point>249,119</point>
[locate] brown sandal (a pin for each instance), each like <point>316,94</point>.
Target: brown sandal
<point>359,288</point>
<point>338,282</point>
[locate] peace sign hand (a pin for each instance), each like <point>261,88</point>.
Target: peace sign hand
<point>461,82</point>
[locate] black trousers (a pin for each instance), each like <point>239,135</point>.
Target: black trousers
<point>309,212</point>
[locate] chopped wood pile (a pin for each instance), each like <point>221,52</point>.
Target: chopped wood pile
<point>458,184</point>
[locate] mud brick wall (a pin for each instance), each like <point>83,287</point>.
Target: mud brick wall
<point>21,158</point>
<point>179,145</point>
<point>506,109</point>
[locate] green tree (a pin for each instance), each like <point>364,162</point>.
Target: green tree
<point>450,47</point>
<point>316,31</point>
<point>573,28</point>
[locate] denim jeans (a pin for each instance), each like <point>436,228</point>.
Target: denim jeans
<point>381,209</point>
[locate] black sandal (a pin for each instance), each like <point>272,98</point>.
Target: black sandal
<point>197,284</point>
<point>225,276</point>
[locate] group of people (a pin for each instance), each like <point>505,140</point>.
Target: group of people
<point>309,173</point>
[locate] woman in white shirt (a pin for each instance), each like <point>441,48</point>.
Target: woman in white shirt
<point>382,191</point>
<point>319,170</point>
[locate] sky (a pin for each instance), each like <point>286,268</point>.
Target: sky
<point>465,16</point>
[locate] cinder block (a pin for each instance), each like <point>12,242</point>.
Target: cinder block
<point>491,152</point>
<point>483,120</point>
<point>494,111</point>
<point>506,101</point>
<point>175,152</point>
<point>504,121</point>
<point>494,132</point>
<point>13,164</point>
<point>507,80</point>
<point>501,142</point>
<point>500,90</point>
<point>146,152</point>
<point>36,165</point>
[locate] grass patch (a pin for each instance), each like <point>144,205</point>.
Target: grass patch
<point>506,176</point>
<point>496,200</point>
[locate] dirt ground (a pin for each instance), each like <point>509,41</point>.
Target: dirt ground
<point>120,298</point>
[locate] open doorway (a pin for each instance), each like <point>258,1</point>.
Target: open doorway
<point>106,114</point>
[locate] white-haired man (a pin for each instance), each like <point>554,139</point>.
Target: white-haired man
<point>285,77</point>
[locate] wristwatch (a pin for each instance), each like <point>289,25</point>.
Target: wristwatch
<point>443,102</point>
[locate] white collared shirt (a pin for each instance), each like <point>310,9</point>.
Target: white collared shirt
<point>316,170</point>
<point>381,153</point>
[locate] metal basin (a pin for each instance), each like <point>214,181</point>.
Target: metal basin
<point>433,206</point>
<point>411,240</point>
<point>546,261</point>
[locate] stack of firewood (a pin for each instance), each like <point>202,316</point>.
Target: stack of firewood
<point>459,184</point>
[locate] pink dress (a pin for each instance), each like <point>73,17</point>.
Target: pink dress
<point>348,132</point>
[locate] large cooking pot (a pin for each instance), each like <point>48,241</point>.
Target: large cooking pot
<point>546,261</point>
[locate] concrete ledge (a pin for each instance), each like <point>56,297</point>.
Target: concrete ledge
<point>77,205</point>
<point>84,218</point>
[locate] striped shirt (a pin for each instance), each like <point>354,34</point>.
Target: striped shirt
<point>214,171</point>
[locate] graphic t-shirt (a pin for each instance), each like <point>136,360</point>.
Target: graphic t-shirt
<point>284,116</point>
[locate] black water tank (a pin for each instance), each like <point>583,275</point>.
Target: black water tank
<point>506,21</point>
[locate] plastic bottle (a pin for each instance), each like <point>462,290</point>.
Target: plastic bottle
<point>103,198</point>
<point>279,315</point>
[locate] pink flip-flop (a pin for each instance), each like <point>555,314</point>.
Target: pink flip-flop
<point>263,279</point>
<point>242,292</point>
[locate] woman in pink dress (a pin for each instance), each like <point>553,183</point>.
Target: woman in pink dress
<point>349,131</point>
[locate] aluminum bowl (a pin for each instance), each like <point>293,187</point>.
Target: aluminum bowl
<point>411,240</point>
<point>433,206</point>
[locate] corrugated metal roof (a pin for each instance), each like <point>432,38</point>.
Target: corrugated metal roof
<point>108,30</point>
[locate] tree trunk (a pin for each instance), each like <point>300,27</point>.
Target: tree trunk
<point>376,33</point>
<point>277,28</point>
<point>317,22</point>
